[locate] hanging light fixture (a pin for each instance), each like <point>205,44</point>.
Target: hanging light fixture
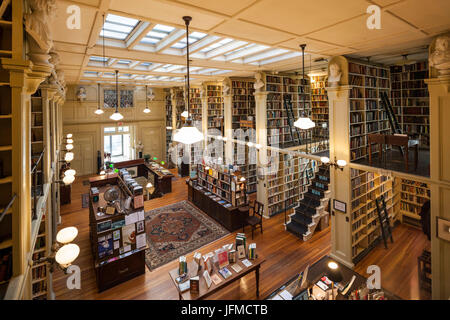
<point>304,122</point>
<point>146,110</point>
<point>68,157</point>
<point>188,134</point>
<point>116,116</point>
<point>99,110</point>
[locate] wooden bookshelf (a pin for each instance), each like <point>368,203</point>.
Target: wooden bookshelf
<point>243,117</point>
<point>281,88</point>
<point>39,271</point>
<point>365,227</point>
<point>222,182</point>
<point>413,194</point>
<point>215,106</point>
<point>169,124</point>
<point>366,113</point>
<point>286,185</point>
<point>320,109</point>
<point>410,99</point>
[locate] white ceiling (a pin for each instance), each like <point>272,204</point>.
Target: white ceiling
<point>274,29</point>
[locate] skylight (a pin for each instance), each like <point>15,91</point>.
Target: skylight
<point>193,38</point>
<point>90,74</point>
<point>118,27</point>
<point>216,45</point>
<point>98,59</point>
<point>158,33</point>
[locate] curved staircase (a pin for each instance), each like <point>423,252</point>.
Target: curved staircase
<point>312,208</point>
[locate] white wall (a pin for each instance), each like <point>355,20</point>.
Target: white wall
<point>87,127</point>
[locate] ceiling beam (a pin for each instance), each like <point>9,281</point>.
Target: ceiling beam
<point>197,46</point>
<point>268,53</point>
<point>3,7</point>
<point>172,38</point>
<point>245,52</point>
<point>133,64</point>
<point>233,45</point>
<point>140,32</point>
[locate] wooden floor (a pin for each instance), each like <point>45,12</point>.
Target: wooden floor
<point>285,256</point>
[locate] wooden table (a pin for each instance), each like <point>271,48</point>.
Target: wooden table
<point>163,181</point>
<point>205,291</point>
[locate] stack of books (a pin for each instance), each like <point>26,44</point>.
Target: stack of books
<point>182,265</point>
<point>252,251</point>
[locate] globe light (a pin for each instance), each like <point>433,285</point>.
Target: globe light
<point>188,135</point>
<point>304,123</point>
<point>149,185</point>
<point>70,172</point>
<point>242,179</point>
<point>225,139</point>
<point>66,235</point>
<point>169,128</point>
<point>67,254</point>
<point>219,138</point>
<point>69,141</point>
<point>68,179</point>
<point>68,157</point>
<point>250,144</point>
<point>341,163</point>
<point>258,146</point>
<point>69,135</point>
<point>116,116</point>
<point>69,146</point>
<point>325,160</point>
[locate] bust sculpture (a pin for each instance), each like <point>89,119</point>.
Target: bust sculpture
<point>259,84</point>
<point>37,25</point>
<point>139,149</point>
<point>225,89</point>
<point>150,95</point>
<point>81,94</point>
<point>334,75</point>
<point>440,57</point>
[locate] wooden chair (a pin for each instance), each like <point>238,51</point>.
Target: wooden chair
<point>255,220</point>
<point>380,139</point>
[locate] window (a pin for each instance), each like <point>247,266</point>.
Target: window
<point>193,37</point>
<point>118,27</point>
<point>158,33</point>
<point>116,143</point>
<point>126,98</point>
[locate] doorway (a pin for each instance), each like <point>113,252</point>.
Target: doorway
<point>117,143</point>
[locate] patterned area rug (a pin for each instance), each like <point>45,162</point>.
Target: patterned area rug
<point>177,229</point>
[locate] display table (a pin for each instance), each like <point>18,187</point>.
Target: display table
<point>162,178</point>
<point>205,292</point>
<point>114,263</point>
<point>230,218</point>
<point>319,269</point>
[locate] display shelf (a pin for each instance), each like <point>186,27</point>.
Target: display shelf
<point>410,100</point>
<point>365,188</point>
<point>366,113</point>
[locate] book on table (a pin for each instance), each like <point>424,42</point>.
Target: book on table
<point>195,285</point>
<point>216,279</point>
<point>237,268</point>
<point>207,278</point>
<point>225,273</point>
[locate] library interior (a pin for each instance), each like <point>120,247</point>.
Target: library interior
<point>246,150</point>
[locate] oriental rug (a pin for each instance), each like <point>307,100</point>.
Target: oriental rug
<point>177,229</point>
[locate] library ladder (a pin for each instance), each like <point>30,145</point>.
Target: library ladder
<point>395,126</point>
<point>383,217</point>
<point>295,136</point>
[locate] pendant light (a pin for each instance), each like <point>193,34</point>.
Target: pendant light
<point>304,122</point>
<point>146,110</point>
<point>188,134</point>
<point>99,111</point>
<point>116,116</point>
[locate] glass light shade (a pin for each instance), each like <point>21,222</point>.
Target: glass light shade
<point>68,157</point>
<point>325,160</point>
<point>70,172</point>
<point>69,141</point>
<point>169,128</point>
<point>258,146</point>
<point>103,172</point>
<point>242,179</point>
<point>185,114</point>
<point>188,135</point>
<point>68,179</point>
<point>341,163</point>
<point>149,185</point>
<point>250,144</point>
<point>66,235</point>
<point>304,123</point>
<point>69,135</point>
<point>116,116</point>
<point>98,111</point>
<point>146,110</point>
<point>69,146</point>
<point>224,138</point>
<point>332,265</point>
<point>67,254</point>
<point>219,138</point>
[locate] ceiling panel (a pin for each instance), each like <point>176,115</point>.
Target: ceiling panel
<point>62,33</point>
<point>355,31</point>
<point>161,11</point>
<point>240,29</point>
<point>232,6</point>
<point>424,14</point>
<point>311,45</point>
<point>301,17</point>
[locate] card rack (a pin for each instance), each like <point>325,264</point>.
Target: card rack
<point>411,101</point>
<point>366,113</point>
<point>365,228</point>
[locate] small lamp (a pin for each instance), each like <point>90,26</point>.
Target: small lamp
<point>334,274</point>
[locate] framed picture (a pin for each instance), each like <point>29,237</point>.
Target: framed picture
<point>339,206</point>
<point>116,234</point>
<point>133,171</point>
<point>140,226</point>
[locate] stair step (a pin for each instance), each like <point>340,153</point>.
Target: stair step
<point>302,219</point>
<point>316,192</point>
<point>319,185</point>
<point>296,229</point>
<point>305,210</point>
